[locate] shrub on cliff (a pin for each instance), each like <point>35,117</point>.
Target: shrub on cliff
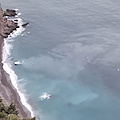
<point>11,109</point>
<point>12,117</point>
<point>34,118</point>
<point>2,105</point>
<point>10,112</point>
<point>3,114</point>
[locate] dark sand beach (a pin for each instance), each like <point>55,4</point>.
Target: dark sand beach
<point>7,91</point>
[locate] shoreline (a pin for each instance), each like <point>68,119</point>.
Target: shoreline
<point>7,91</point>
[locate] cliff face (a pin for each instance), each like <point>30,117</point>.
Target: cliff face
<point>7,26</point>
<point>1,13</point>
<point>1,17</point>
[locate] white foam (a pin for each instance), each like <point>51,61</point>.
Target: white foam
<point>18,62</point>
<point>45,96</point>
<point>16,9</point>
<point>18,14</point>
<point>7,66</point>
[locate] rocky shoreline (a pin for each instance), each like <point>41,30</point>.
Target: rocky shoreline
<point>7,91</point>
<point>8,26</point>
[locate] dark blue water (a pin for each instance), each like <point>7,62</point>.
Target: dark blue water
<point>71,52</point>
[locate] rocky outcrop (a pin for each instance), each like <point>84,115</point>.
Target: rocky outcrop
<point>7,26</point>
<point>9,12</point>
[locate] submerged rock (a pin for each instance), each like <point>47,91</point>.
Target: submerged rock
<point>25,24</point>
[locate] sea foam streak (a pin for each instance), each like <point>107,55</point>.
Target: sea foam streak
<point>7,66</point>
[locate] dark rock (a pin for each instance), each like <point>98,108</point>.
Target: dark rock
<point>9,13</point>
<point>4,35</point>
<point>17,27</point>
<point>16,20</point>
<point>5,19</point>
<point>9,10</point>
<point>25,24</point>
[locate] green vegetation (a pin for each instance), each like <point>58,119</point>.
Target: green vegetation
<point>10,112</point>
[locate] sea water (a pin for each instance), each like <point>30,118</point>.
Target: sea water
<point>71,51</point>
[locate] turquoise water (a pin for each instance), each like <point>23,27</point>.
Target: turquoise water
<point>71,52</point>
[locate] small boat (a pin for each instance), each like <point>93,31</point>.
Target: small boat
<point>17,62</point>
<point>45,96</point>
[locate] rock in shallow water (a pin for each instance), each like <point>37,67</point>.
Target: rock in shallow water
<point>9,12</point>
<point>25,24</point>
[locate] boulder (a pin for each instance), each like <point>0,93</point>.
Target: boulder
<point>9,13</point>
<point>25,24</point>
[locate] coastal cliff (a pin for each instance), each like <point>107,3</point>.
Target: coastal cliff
<point>7,90</point>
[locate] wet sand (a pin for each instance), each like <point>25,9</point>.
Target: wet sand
<point>7,91</point>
